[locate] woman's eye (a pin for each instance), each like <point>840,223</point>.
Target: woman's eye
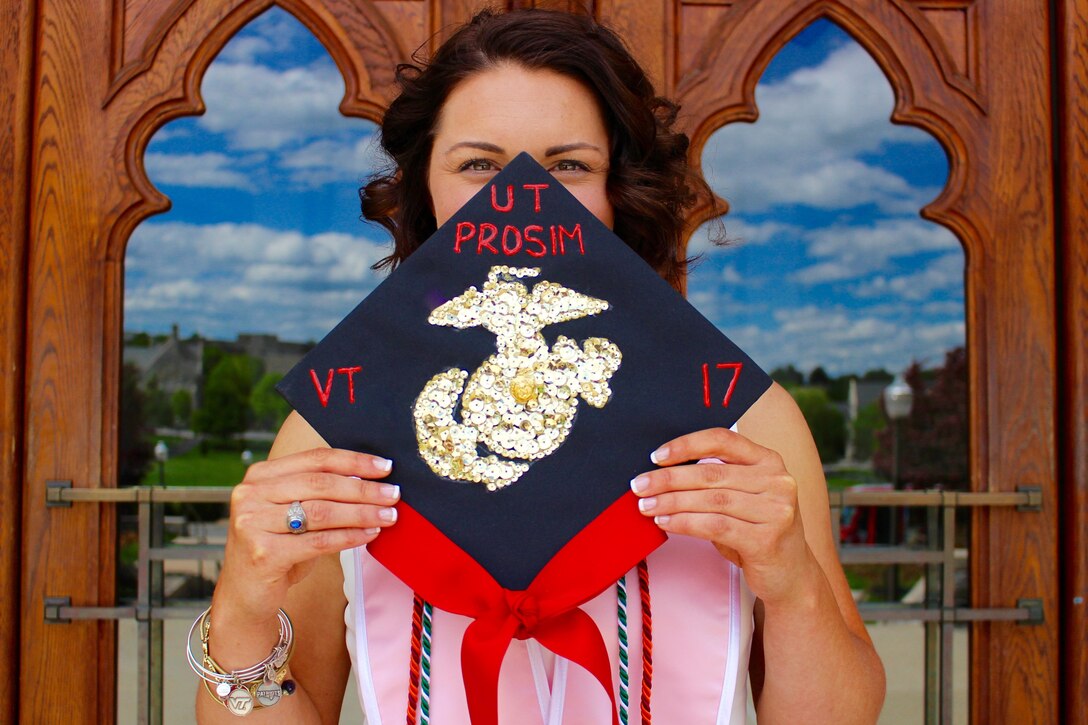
<point>571,165</point>
<point>478,165</point>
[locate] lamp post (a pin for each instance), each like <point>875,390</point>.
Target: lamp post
<point>161,454</point>
<point>154,569</point>
<point>898,400</point>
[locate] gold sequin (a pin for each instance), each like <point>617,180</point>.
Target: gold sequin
<point>523,388</point>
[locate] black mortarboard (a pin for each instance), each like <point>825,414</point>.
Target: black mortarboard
<point>518,369</point>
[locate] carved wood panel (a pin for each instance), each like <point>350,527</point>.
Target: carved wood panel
<point>137,28</point>
<point>108,73</point>
<point>954,29</point>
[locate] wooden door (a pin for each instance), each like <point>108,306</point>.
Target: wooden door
<point>962,71</point>
<point>91,81</point>
<point>107,74</point>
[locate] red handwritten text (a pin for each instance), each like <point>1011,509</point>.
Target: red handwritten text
<point>509,204</point>
<point>513,240</point>
<point>735,367</point>
<point>324,392</point>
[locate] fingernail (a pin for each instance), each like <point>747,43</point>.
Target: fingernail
<point>660,454</point>
<point>645,504</point>
<point>391,490</point>
<point>640,483</point>
<point>383,464</point>
<point>662,520</point>
<point>389,515</point>
<point>372,532</point>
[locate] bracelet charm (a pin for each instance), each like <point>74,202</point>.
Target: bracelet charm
<point>241,691</point>
<point>239,701</point>
<point>269,692</point>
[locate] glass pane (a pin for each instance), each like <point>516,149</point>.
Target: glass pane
<point>261,254</point>
<point>832,280</point>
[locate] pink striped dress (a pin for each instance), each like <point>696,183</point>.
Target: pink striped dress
<point>702,633</point>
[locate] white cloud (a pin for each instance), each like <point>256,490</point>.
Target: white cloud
<point>245,49</point>
<point>273,32</point>
<point>885,238</point>
<point>844,340</point>
<point>944,274</point>
<point>171,132</point>
<point>740,232</point>
<point>708,302</point>
<point>221,278</point>
<point>259,107</point>
<point>944,308</point>
<point>805,149</point>
<point>328,160</point>
<point>941,336</point>
<point>854,252</point>
<point>165,295</point>
<point>730,275</point>
<point>288,119</point>
<point>835,184</point>
<point>209,170</point>
<point>744,232</point>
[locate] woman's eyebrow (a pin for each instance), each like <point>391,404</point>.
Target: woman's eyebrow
<point>576,146</point>
<point>480,145</point>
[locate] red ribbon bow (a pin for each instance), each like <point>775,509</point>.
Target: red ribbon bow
<point>445,575</point>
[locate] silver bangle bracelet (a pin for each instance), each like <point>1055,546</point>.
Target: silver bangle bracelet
<point>241,690</point>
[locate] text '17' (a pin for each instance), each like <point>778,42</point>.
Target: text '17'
<point>735,367</point>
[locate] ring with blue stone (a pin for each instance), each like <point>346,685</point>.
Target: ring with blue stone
<point>296,518</point>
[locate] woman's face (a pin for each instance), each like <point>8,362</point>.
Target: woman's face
<point>494,115</point>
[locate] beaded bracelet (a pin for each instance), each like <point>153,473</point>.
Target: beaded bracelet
<point>240,691</point>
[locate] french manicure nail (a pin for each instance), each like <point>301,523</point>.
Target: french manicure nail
<point>391,490</point>
<point>372,532</point>
<point>383,464</point>
<point>662,520</point>
<point>640,483</point>
<point>388,515</point>
<point>645,504</point>
<point>660,454</point>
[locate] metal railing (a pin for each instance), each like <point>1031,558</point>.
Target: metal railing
<point>939,612</point>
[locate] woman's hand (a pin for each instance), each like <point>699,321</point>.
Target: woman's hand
<point>744,501</point>
<point>346,504</point>
<point>345,507</point>
<point>810,645</point>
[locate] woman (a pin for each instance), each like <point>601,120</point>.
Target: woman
<point>566,91</point>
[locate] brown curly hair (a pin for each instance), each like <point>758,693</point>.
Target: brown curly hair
<point>650,184</point>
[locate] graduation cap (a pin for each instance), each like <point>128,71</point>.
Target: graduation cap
<point>518,369</point>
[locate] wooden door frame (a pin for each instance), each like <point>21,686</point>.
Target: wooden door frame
<point>17,26</point>
<point>1071,161</point>
<point>65,234</point>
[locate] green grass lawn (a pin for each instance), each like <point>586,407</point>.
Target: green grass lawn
<point>215,468</point>
<point>845,478</point>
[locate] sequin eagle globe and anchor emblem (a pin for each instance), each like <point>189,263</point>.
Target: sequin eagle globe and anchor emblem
<point>518,369</point>
<point>521,402</point>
